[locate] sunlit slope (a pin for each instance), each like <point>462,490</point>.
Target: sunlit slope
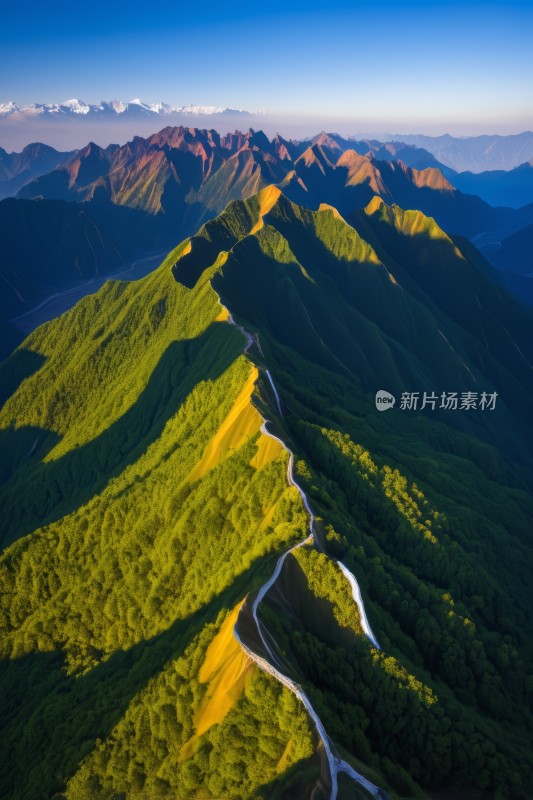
<point>434,523</point>
<point>113,371</point>
<point>225,670</point>
<point>350,179</point>
<point>442,555</point>
<point>152,503</point>
<point>392,307</point>
<point>203,727</point>
<point>241,176</point>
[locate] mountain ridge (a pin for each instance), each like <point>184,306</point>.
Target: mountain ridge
<point>475,153</point>
<point>388,176</point>
<point>139,198</point>
<point>18,169</point>
<point>118,590</point>
<point>497,187</point>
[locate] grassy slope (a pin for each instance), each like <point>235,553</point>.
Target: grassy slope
<point>434,522</point>
<point>162,510</point>
<point>431,520</point>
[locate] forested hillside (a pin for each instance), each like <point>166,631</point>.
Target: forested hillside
<point>154,503</point>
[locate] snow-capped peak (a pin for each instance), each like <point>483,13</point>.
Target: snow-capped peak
<point>8,108</point>
<point>202,109</point>
<point>115,106</point>
<point>110,108</point>
<point>76,106</point>
<point>162,108</point>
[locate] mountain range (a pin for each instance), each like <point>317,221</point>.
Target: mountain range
<point>231,576</point>
<point>181,165</point>
<point>513,187</point>
<point>18,169</point>
<point>475,153</point>
<point>109,119</point>
<point>102,209</point>
<point>133,108</point>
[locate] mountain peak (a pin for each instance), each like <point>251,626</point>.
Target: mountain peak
<point>257,139</point>
<point>315,155</point>
<point>432,178</point>
<point>327,207</point>
<point>327,140</point>
<point>266,199</point>
<point>350,158</point>
<point>91,149</point>
<point>375,204</point>
<point>408,222</point>
<point>76,106</point>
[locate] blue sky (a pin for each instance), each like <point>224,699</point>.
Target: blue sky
<point>462,68</point>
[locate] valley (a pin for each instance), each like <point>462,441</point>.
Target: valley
<point>59,302</point>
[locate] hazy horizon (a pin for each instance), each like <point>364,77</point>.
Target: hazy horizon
<point>462,69</point>
<point>73,133</point>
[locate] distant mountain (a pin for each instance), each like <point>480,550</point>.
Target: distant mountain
<point>409,154</point>
<point>50,246</point>
<point>334,145</point>
<point>515,253</point>
<point>119,203</point>
<point>351,180</point>
<point>73,123</point>
<point>18,169</point>
<point>513,188</point>
<point>109,108</point>
<point>475,153</point>
<point>47,245</point>
<point>154,174</point>
<point>196,172</point>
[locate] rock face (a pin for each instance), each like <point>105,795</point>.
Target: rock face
<point>142,197</point>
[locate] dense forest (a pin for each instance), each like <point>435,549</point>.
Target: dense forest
<point>108,608</point>
<point>434,529</point>
<point>142,503</point>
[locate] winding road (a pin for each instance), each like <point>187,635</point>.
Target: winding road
<point>335,764</point>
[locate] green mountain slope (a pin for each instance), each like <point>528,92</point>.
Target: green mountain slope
<point>173,518</point>
<point>155,503</point>
<point>344,308</point>
<point>107,207</point>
